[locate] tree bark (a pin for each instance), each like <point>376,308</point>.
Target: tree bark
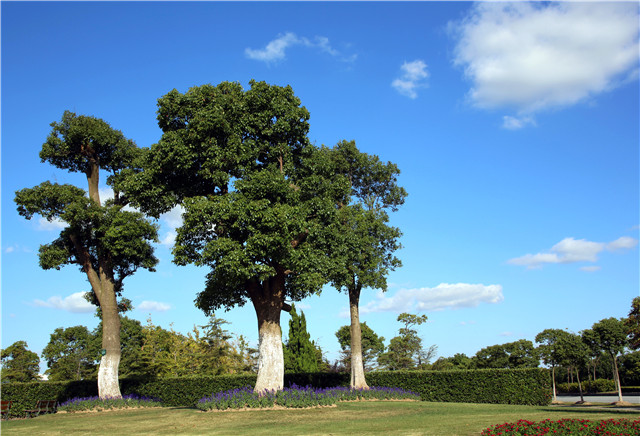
<point>108,386</point>
<point>617,376</point>
<point>357,364</point>
<point>268,300</point>
<point>579,385</point>
<point>553,381</point>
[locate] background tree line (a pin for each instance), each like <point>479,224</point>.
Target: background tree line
<point>72,353</point>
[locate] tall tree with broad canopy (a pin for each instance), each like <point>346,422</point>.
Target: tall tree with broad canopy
<point>518,354</point>
<point>549,351</point>
<point>632,323</point>
<point>259,202</point>
<point>367,240</point>
<point>611,336</point>
<point>573,354</point>
<point>405,351</point>
<point>105,241</point>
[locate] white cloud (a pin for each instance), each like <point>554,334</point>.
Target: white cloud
<point>592,268</point>
<point>506,334</point>
<point>153,306</point>
<point>453,296</point>
<point>413,77</point>
<point>55,224</point>
<point>9,250</point>
<point>75,303</point>
<point>173,218</point>
<point>516,123</point>
<point>571,250</point>
<point>169,238</point>
<point>530,57</point>
<point>276,49</point>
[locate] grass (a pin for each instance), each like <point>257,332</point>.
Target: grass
<point>355,418</point>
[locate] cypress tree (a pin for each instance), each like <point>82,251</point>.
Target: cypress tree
<point>300,353</point>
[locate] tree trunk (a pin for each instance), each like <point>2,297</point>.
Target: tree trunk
<point>268,300</point>
<point>553,382</point>
<point>579,386</point>
<point>357,364</point>
<point>617,377</point>
<point>108,386</point>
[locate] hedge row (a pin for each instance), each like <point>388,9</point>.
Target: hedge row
<point>523,386</point>
<point>499,386</point>
<point>590,386</point>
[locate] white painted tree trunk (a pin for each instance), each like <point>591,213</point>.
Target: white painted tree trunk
<point>271,359</point>
<point>108,386</point>
<point>357,365</point>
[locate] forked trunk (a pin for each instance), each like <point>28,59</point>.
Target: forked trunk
<point>268,302</point>
<point>357,364</point>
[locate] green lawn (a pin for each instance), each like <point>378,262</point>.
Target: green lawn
<point>358,418</point>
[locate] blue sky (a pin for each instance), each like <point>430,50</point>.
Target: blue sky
<point>515,126</point>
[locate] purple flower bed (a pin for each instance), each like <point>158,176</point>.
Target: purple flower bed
<point>95,403</point>
<point>296,397</point>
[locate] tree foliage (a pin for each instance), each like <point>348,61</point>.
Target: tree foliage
<point>405,351</point>
<point>71,354</point>
<point>19,364</point>
<point>372,346</point>
<point>259,200</point>
<point>301,354</point>
<point>107,242</point>
<point>632,324</point>
<point>518,354</point>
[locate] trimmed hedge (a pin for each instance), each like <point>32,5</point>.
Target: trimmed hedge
<point>530,386</point>
<point>589,386</point>
<point>502,386</point>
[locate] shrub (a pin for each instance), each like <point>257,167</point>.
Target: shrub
<point>601,385</point>
<point>618,427</point>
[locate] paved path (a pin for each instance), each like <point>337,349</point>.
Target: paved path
<point>635,399</point>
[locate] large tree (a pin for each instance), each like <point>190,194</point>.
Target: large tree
<point>70,355</point>
<point>107,242</point>
<point>367,240</point>
<point>573,354</point>
<point>259,201</point>
<point>611,336</point>
<point>19,364</point>
<point>549,351</point>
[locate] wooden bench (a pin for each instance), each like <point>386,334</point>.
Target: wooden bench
<point>6,408</point>
<point>43,406</point>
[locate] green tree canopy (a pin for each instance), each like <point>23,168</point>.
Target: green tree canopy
<point>367,241</point>
<point>518,354</point>
<point>19,364</point>
<point>405,351</point>
<point>632,324</point>
<point>70,355</point>
<point>610,335</point>
<point>105,241</point>
<point>259,201</point>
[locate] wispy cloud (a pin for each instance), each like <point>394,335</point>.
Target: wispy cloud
<point>153,306</point>
<point>443,296</point>
<point>276,49</point>
<point>517,123</point>
<point>530,57</point>
<point>74,303</point>
<point>414,75</point>
<point>571,250</point>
